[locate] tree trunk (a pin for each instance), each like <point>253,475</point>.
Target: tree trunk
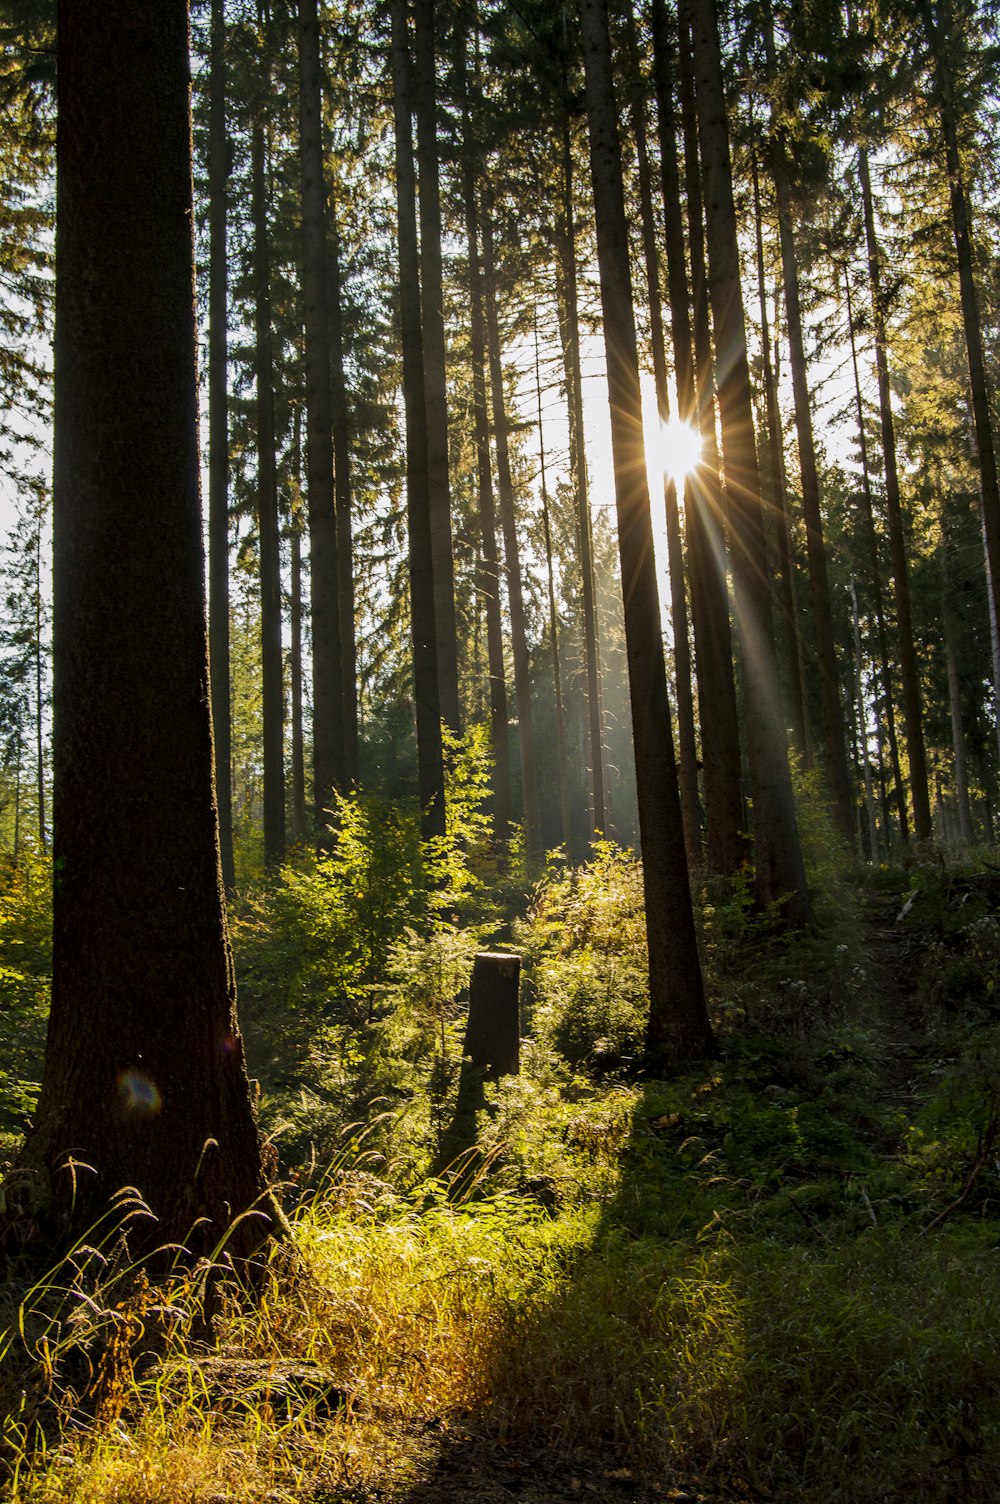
<point>686,742</point>
<point>775,497</point>
<point>875,570</point>
<point>489,575</point>
<point>939,24</point>
<point>570,330</point>
<point>427,702</point>
<point>564,811</point>
<point>678,1023</point>
<point>329,762</point>
<point>299,818</point>
<point>720,733</point>
<point>435,372</point>
<point>838,781</point>
<point>780,873</point>
<point>272,667</point>
<point>515,596</point>
<point>144,1083</point>
<point>912,715</point>
<point>343,500</point>
<point>218,437</point>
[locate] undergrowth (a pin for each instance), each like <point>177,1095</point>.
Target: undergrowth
<point>772,1277</point>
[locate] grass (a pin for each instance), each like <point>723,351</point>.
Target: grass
<point>774,1278</point>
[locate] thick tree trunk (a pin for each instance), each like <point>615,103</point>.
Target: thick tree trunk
<point>678,1022</point>
<point>720,733</point>
<point>329,761</point>
<point>144,1082</point>
<point>218,437</point>
<point>435,372</point>
<point>779,870</point>
<point>686,741</point>
<point>570,330</point>
<point>508,523</point>
<point>427,702</point>
<point>912,715</point>
<point>272,667</point>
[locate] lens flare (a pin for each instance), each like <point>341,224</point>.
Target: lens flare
<point>139,1094</point>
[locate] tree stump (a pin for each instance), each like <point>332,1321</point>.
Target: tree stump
<point>493,1032</point>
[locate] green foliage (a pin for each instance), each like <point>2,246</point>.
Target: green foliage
<point>584,941</point>
<point>25,982</point>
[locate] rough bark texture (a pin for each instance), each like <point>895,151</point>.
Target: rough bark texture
<point>218,437</point>
<point>144,1081</point>
<point>779,870</point>
<point>329,766</point>
<point>430,758</point>
<point>678,1023</point>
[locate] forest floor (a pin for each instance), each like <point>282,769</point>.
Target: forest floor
<point>771,1281</point>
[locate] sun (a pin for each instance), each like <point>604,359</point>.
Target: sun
<point>680,449</point>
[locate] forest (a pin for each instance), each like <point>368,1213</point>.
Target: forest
<point>499,751</point>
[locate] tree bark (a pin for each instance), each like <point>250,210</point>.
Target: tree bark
<point>720,732</point>
<point>875,570</point>
<point>779,871</point>
<point>563,769</point>
<point>329,762</point>
<point>144,1082</point>
<point>912,714</point>
<point>340,433</point>
<point>775,496</point>
<point>218,437</point>
<point>435,369</point>
<point>686,741</point>
<point>570,329</point>
<point>426,696</point>
<point>512,560</point>
<point>489,574</point>
<point>272,667</point>
<point>678,1023</point>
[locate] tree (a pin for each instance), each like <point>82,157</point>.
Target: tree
<point>678,1025</point>
<point>144,1082</point>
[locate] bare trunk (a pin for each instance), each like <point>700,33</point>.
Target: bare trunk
<point>678,1022</point>
<point>272,668</point>
<point>564,810</point>
<point>686,742</point>
<point>515,595</point>
<point>329,762</point>
<point>780,874</point>
<point>218,438</point>
<point>435,374</point>
<point>144,1082</point>
<point>708,565</point>
<point>430,756</point>
<point>912,715</point>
